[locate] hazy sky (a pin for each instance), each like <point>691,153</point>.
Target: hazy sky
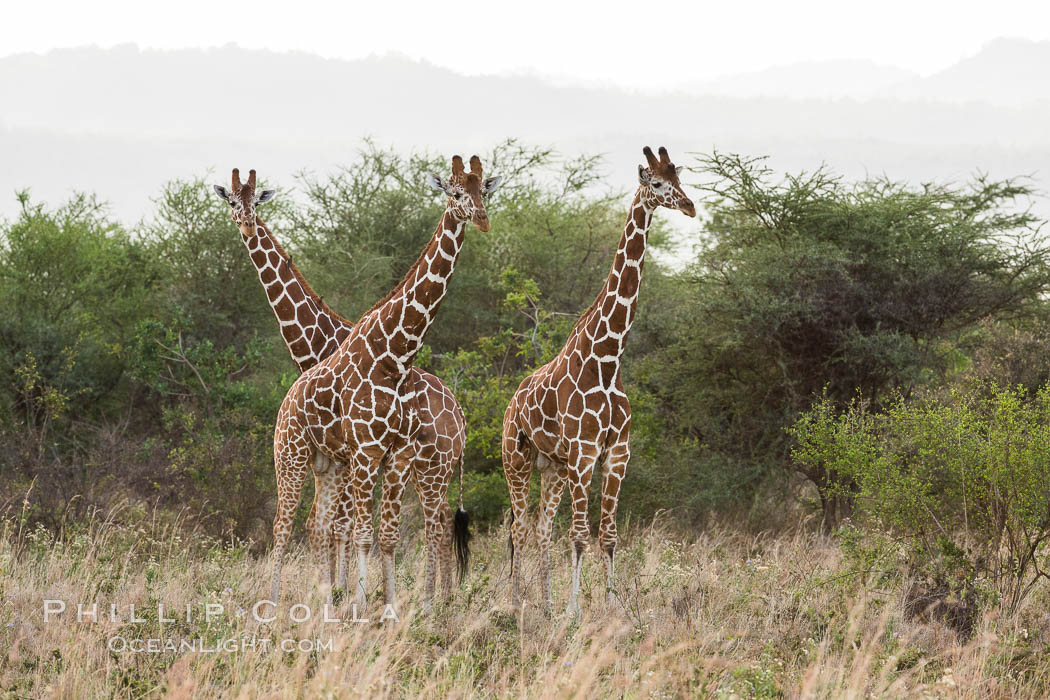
<point>642,43</point>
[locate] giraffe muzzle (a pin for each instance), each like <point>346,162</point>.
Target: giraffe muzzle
<point>687,207</point>
<point>482,222</point>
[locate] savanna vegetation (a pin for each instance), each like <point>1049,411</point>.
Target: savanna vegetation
<point>839,477</point>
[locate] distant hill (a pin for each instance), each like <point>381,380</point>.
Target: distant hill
<point>1011,72</point>
<point>1006,72</point>
<point>821,80</point>
<point>120,122</point>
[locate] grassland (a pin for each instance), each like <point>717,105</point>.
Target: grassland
<point>719,613</point>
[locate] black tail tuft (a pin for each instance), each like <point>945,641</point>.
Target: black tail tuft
<point>461,540</point>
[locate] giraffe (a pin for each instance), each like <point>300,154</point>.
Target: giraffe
<point>312,331</point>
<point>357,408</point>
<point>572,414</point>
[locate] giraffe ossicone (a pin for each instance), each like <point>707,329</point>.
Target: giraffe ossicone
<point>572,415</point>
<point>243,198</point>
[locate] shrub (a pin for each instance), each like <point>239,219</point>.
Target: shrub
<point>965,479</point>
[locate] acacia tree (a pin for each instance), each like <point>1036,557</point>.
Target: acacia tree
<point>811,286</point>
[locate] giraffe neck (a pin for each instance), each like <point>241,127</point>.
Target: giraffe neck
<point>607,323</point>
<point>311,330</point>
<point>404,317</point>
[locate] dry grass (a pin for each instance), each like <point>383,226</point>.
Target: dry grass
<point>725,614</point>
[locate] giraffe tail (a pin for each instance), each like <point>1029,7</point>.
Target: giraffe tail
<point>461,531</point>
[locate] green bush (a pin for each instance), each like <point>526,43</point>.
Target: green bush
<point>964,478</point>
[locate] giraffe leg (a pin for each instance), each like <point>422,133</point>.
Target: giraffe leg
<point>322,530</point>
<point>552,485</point>
<point>438,532</point>
<point>290,478</point>
<point>311,523</point>
<point>342,538</point>
<point>361,482</point>
<point>443,537</point>
<point>345,543</point>
<point>395,479</point>
<point>433,536</point>
<point>427,503</point>
<point>431,478</point>
<point>615,467</point>
<point>579,477</point>
<point>517,468</point>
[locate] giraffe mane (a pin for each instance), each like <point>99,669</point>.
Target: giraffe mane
<point>307,289</point>
<point>599,298</point>
<point>400,285</point>
<point>587,312</point>
<point>604,290</point>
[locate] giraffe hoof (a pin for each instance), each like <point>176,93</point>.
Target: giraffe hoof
<point>573,609</point>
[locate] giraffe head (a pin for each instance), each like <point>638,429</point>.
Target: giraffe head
<point>243,198</point>
<point>659,183</point>
<point>466,192</point>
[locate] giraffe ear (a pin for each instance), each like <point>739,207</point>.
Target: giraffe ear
<point>265,196</point>
<point>224,195</point>
<point>490,184</point>
<point>644,176</point>
<point>678,170</point>
<point>436,183</point>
